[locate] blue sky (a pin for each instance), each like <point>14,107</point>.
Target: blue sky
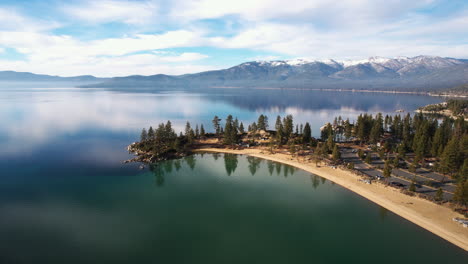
<point>116,37</point>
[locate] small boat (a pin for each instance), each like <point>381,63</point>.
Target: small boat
<point>400,110</point>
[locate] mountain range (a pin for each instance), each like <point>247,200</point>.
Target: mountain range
<point>421,73</point>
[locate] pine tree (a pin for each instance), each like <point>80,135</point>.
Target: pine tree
<point>463,173</point>
<point>307,134</point>
<point>377,129</point>
<point>144,135</point>
<point>241,128</point>
<point>236,124</point>
<point>202,131</point>
<point>228,128</point>
<point>369,158</point>
<point>439,195</point>
<point>288,126</point>
<point>336,155</point>
<point>387,171</point>
<point>197,131</point>
<point>292,147</point>
<point>187,128</point>
<point>461,193</point>
<point>450,161</point>
<point>280,135</point>
<point>347,129</point>
<point>412,187</point>
<point>261,123</point>
<point>190,136</point>
<point>330,143</point>
<point>278,124</point>
<point>150,133</point>
<point>216,125</point>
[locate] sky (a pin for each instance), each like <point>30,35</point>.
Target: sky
<point>120,37</point>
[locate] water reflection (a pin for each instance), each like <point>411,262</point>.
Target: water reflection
<point>60,114</point>
<point>159,173</point>
<point>271,167</point>
<point>191,161</point>
<point>315,181</point>
<point>254,164</point>
<point>230,162</point>
<point>383,213</point>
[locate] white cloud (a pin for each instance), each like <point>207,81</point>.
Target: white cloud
<point>65,55</point>
<point>10,19</point>
<point>129,12</point>
<point>2,50</point>
<point>312,29</point>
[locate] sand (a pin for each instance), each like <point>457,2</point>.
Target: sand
<point>428,215</point>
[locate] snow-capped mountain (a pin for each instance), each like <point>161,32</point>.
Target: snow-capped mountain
<point>399,65</point>
<point>404,73</point>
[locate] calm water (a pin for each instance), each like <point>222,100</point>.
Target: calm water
<point>65,196</point>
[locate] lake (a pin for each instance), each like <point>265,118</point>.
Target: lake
<point>66,197</point>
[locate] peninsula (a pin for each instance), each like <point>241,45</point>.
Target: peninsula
<point>387,160</point>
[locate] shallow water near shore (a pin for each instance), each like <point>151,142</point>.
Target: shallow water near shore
<point>65,196</point>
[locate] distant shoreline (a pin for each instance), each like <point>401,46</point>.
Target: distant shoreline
<point>347,90</point>
<point>435,218</point>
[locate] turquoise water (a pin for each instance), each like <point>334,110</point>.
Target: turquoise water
<point>65,196</point>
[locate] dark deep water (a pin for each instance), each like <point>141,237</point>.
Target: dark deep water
<point>65,196</point>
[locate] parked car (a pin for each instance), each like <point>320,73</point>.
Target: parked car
<point>397,184</point>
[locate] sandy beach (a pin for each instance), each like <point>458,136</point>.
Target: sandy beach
<point>428,215</point>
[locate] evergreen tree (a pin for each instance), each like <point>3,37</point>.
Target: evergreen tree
<point>368,158</point>
<point>236,124</point>
<point>144,135</point>
<point>307,134</point>
<point>187,128</point>
<point>168,131</point>
<point>197,132</point>
<point>150,133</point>
<point>278,124</point>
<point>262,122</point>
<point>292,147</point>
<point>288,126</point>
<point>387,171</point>
<point>401,150</point>
<point>301,129</point>
<point>190,136</point>
<point>347,129</point>
<point>412,187</point>
<point>377,129</point>
<point>461,193</point>
<point>450,161</point>
<point>202,131</point>
<point>439,195</point>
<point>336,155</point>
<point>253,127</point>
<point>241,128</point>
<point>330,143</point>
<point>463,173</point>
<point>228,128</point>
<point>280,135</point>
<point>216,125</point>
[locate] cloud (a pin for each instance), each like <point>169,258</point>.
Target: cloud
<point>11,19</point>
<point>347,29</point>
<point>129,12</point>
<point>65,55</point>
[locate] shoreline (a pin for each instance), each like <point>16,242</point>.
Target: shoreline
<point>427,93</point>
<point>435,218</point>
